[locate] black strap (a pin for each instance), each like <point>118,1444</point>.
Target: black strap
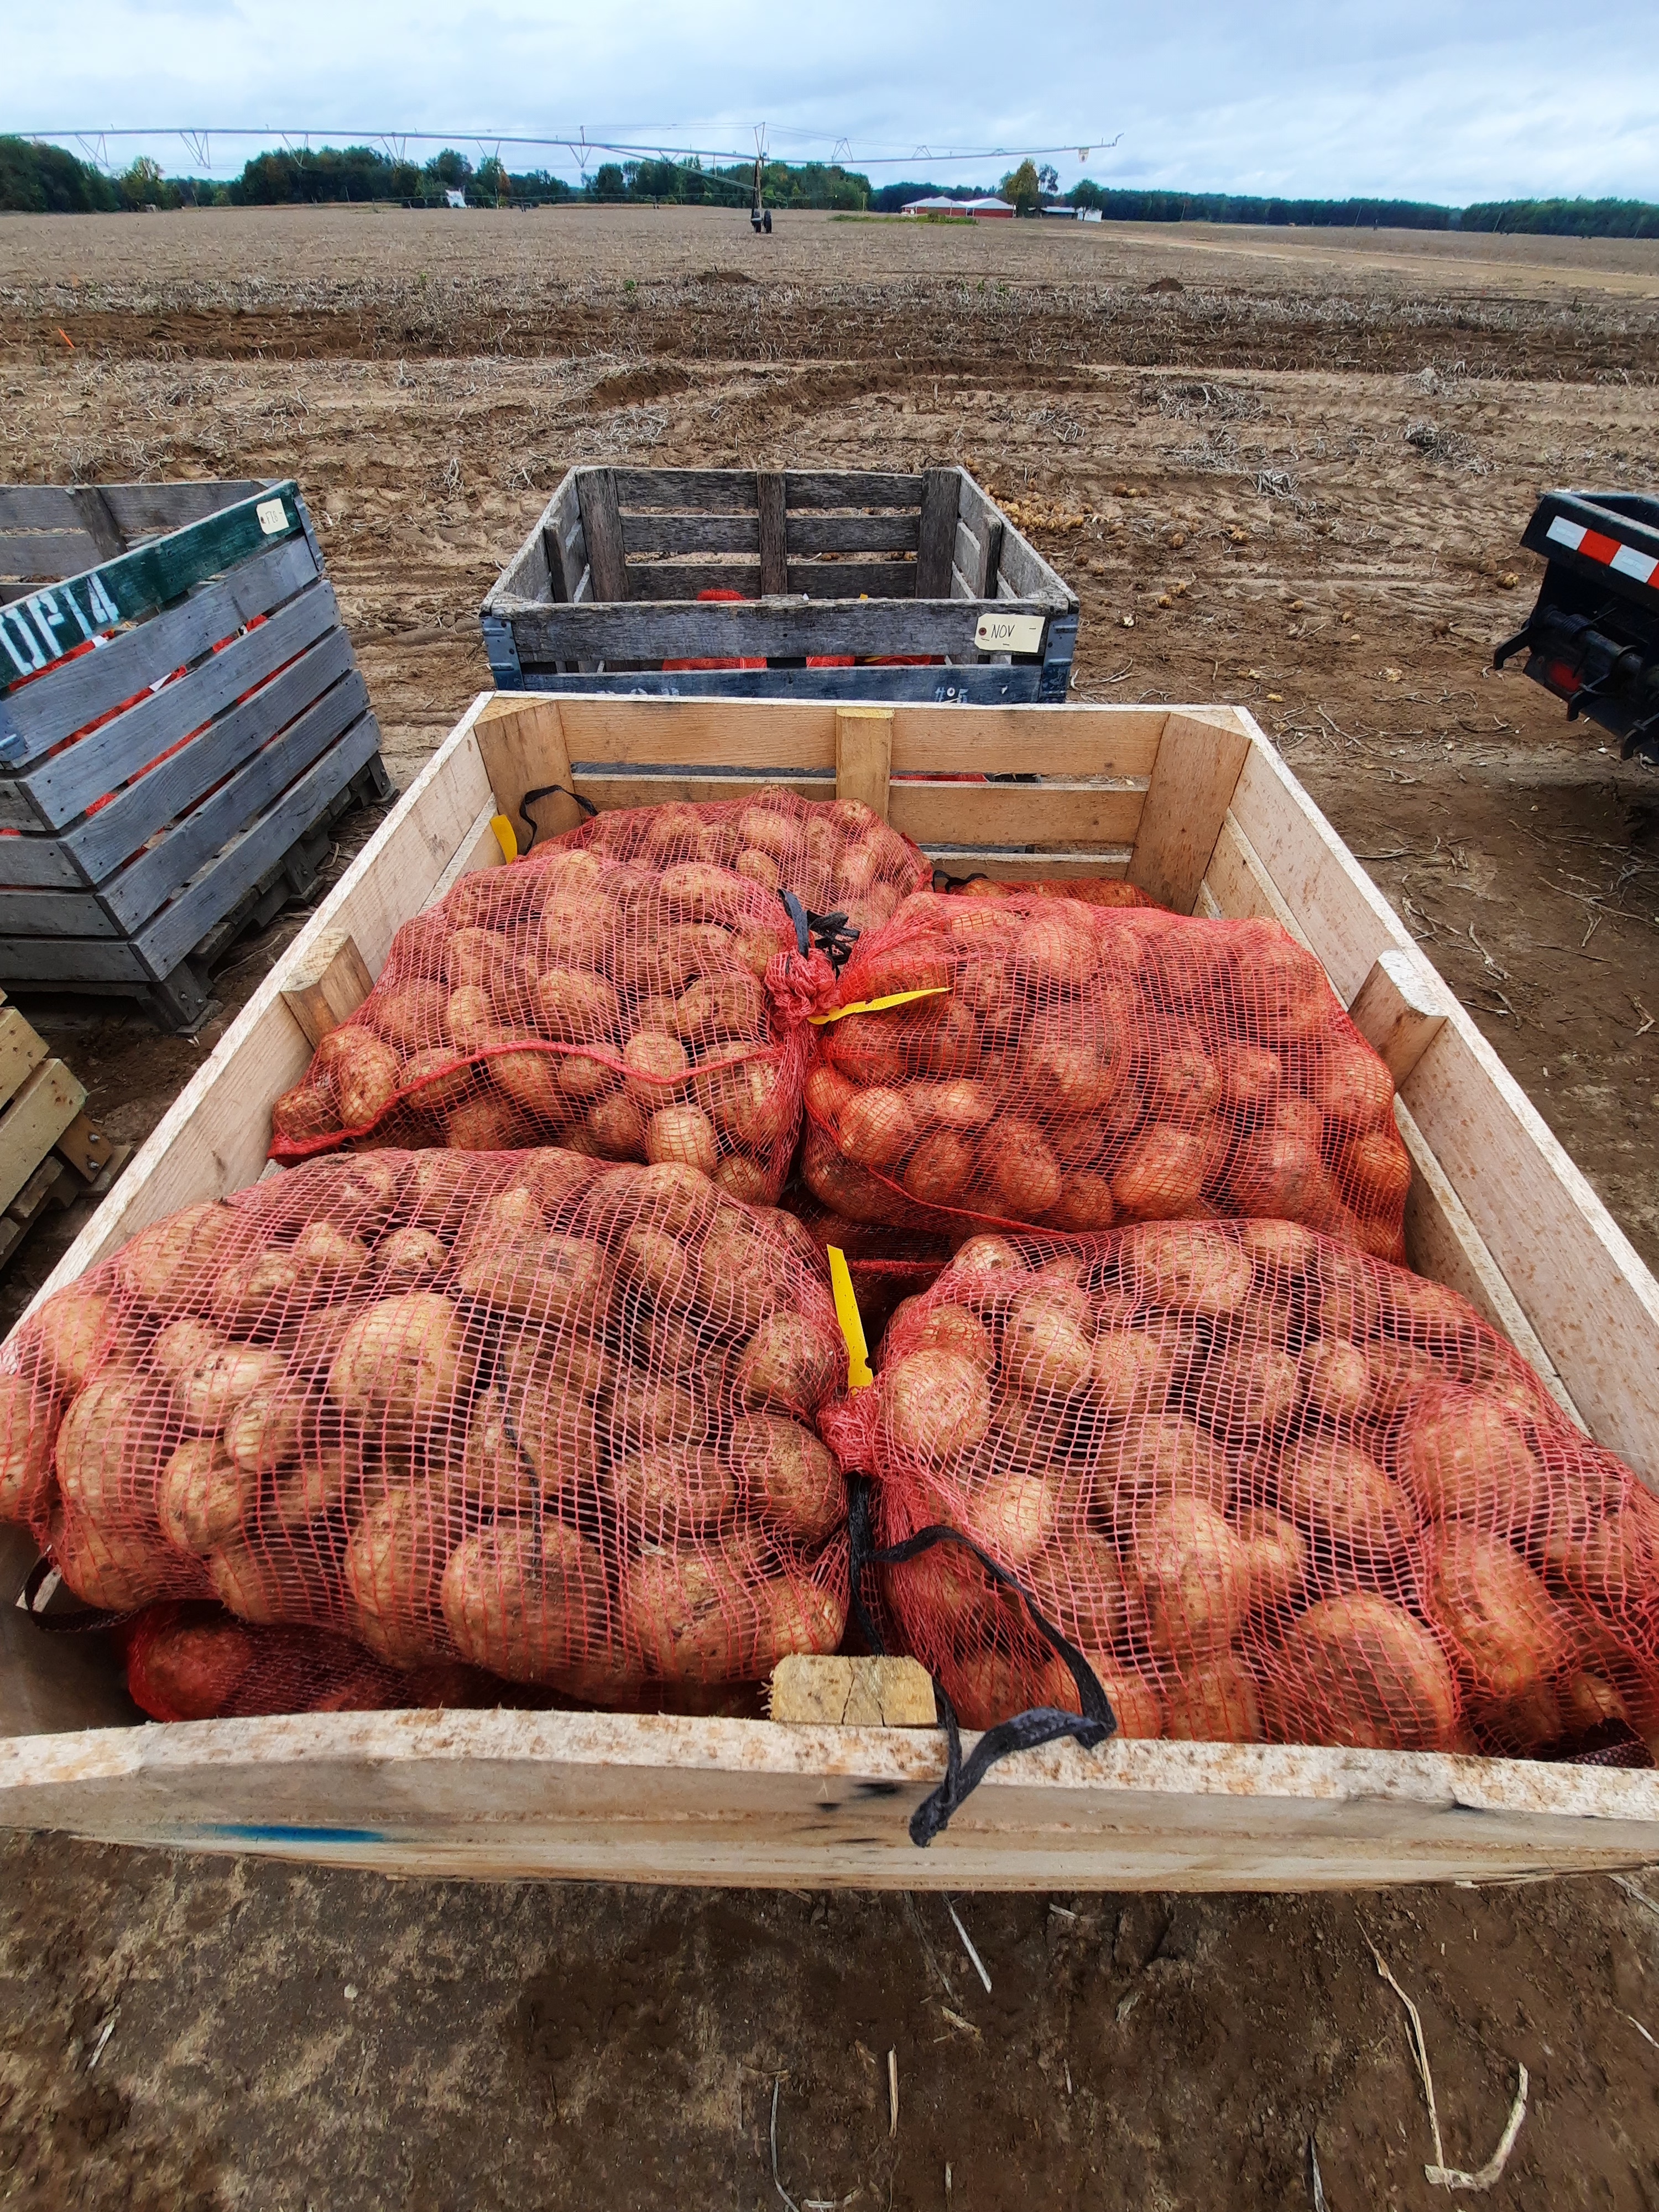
<point>86,1620</point>
<point>831,933</point>
<point>546,791</point>
<point>1024,1731</point>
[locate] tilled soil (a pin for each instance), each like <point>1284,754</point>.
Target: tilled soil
<point>1291,473</point>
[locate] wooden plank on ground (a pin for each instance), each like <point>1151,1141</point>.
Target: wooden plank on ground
<point>43,1109</point>
<point>1056,815</point>
<point>602,527</point>
<point>772,531</point>
<point>864,753</point>
<point>328,986</point>
<point>1199,760</point>
<point>21,1051</point>
<point>214,1137</point>
<point>936,533</point>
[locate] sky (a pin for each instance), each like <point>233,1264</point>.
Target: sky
<point>1433,99</point>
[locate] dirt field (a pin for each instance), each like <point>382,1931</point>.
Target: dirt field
<point>1285,468</point>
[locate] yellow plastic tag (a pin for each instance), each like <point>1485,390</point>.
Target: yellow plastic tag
<point>858,1376</point>
<point>504,836</point>
<point>878,1006</point>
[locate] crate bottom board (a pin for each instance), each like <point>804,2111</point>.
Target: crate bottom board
<point>179,995</point>
<point>658,1799</point>
<point>990,686</point>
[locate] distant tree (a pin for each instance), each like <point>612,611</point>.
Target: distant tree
<point>37,179</point>
<point>1021,186</point>
<point>491,179</point>
<point>1048,181</point>
<point>448,172</point>
<point>143,183</point>
<point>608,182</point>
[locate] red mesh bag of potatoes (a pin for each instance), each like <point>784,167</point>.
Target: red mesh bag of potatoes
<point>1073,1068</point>
<point>1273,1488</point>
<point>550,1417</point>
<point>835,855</point>
<point>572,999</point>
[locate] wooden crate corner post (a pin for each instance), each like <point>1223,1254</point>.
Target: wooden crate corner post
<point>1191,787</point>
<point>864,755</point>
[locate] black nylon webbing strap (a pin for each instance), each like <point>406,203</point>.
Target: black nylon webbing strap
<point>546,791</point>
<point>1025,1731</point>
<point>831,933</point>
<point>84,1621</point>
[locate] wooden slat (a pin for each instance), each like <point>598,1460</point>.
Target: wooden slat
<point>135,892</point>
<point>21,1051</point>
<point>1593,1303</point>
<point>37,507</point>
<point>962,861</point>
<point>656,1798</point>
<point>852,580</point>
<point>676,581</point>
<point>36,962</point>
<point>215,1135</point>
<point>524,749</point>
<point>864,753</point>
<point>328,986</point>
<point>480,847</point>
<point>852,487</point>
<point>1198,764</point>
<point>936,533</point>
<point>1055,817</point>
<point>43,714</point>
<point>36,860</point>
<point>102,841</point>
<point>596,489</point>
<point>97,518</point>
<point>1068,741</point>
<point>687,491</point>
<point>609,792</point>
<point>691,533</point>
<point>1399,1009</point>
<point>141,509</point>
<point>564,520</point>
<point>773,537</point>
<point>982,684</point>
<point>237,865</point>
<point>603,631</point>
<point>518,579</point>
<point>672,732</point>
<point>1443,1241</point>
<point>856,534</point>
<point>45,557</point>
<point>54,914</point>
<point>49,1100</point>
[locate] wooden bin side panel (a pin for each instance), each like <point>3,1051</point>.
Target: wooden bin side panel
<point>1585,1291</point>
<point>656,1799</point>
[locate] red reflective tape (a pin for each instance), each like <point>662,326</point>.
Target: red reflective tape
<point>1595,547</point>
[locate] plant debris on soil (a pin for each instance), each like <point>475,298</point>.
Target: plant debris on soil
<point>1286,469</point>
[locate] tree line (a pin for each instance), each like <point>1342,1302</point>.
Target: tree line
<point>44,179</point>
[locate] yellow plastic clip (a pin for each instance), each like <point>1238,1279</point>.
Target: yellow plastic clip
<point>878,1006</point>
<point>504,836</point>
<point>858,1376</point>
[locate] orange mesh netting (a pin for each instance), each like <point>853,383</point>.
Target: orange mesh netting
<point>1073,1066</point>
<point>547,1416</point>
<point>835,855</point>
<point>1087,891</point>
<point>618,1012</point>
<point>1274,1489</point>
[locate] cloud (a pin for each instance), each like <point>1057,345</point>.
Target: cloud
<point>1450,100</point>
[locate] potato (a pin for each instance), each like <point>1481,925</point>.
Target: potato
<point>1350,1084</point>
<point>793,1359</point>
<point>654,1409</point>
<point>1612,1561</point>
<point>1505,1631</point>
<point>1155,1460</point>
<point>1187,1265</point>
<point>393,1566</point>
<point>262,1433</point>
<point>744,1178</point>
<point>962,1102</point>
<point>1213,1705</point>
<point>175,1263</point>
<point>325,1255</point>
<point>934,1405</point>
<point>1280,1252</point>
<point>1374,1172</point>
<point>1276,1558</point>
<point>947,1328</point>
<point>944,1590</point>
<point>329,1472</point>
<point>527,1600</point>
<point>549,1408</point>
<point>72,1332</point>
<point>1463,1456</point>
<point>1250,1079</point>
<point>1077,1584</point>
<point>988,1687</point>
<point>1021,1177</point>
<point>1360,1671</point>
<point>430,1081</point>
<point>411,1258</point>
<point>721,1005</point>
<point>1245,1387</point>
<point>476,958</point>
<point>28,1431</point>
<point>361,1070</point>
<point>1284,990</point>
<point>1072,1069</point>
<point>655,1061</point>
<point>115,1567</point>
<point>682,1133</point>
<point>1129,1370</point>
<point>987,1255</point>
<point>109,1446</point>
<point>190,1669</point>
<point>1137,1704</point>
<point>1188,1579</point>
<point>1341,1495</point>
<point>1183,1084</point>
<point>1046,1347</point>
<point>1277,1173</point>
<point>578,926</point>
<point>470,1019</point>
<point>204,1495</point>
<point>1012,1513</point>
<point>411,1016</point>
<point>1056,949</point>
<point>210,1376</point>
<point>695,1616</point>
<point>1086,1202</point>
<point>487,1125</point>
<point>788,1478</point>
<point>496,1476</point>
<point>669,1494</point>
<point>1161,1174</point>
<point>542,1277</point>
<point>306,1111</point>
<point>1588,1700</point>
<point>403,1359</point>
<point>573,1006</point>
<point>532,1082</point>
<point>1336,1378</point>
<point>877,1127</point>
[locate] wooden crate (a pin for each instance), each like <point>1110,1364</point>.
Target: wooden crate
<point>50,1153</point>
<point>829,563</point>
<point>224,725</point>
<point>1194,805</point>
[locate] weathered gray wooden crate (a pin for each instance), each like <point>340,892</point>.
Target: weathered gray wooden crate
<point>181,719</point>
<point>831,564</point>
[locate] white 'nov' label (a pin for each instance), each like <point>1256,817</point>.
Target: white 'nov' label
<point>1009,634</point>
